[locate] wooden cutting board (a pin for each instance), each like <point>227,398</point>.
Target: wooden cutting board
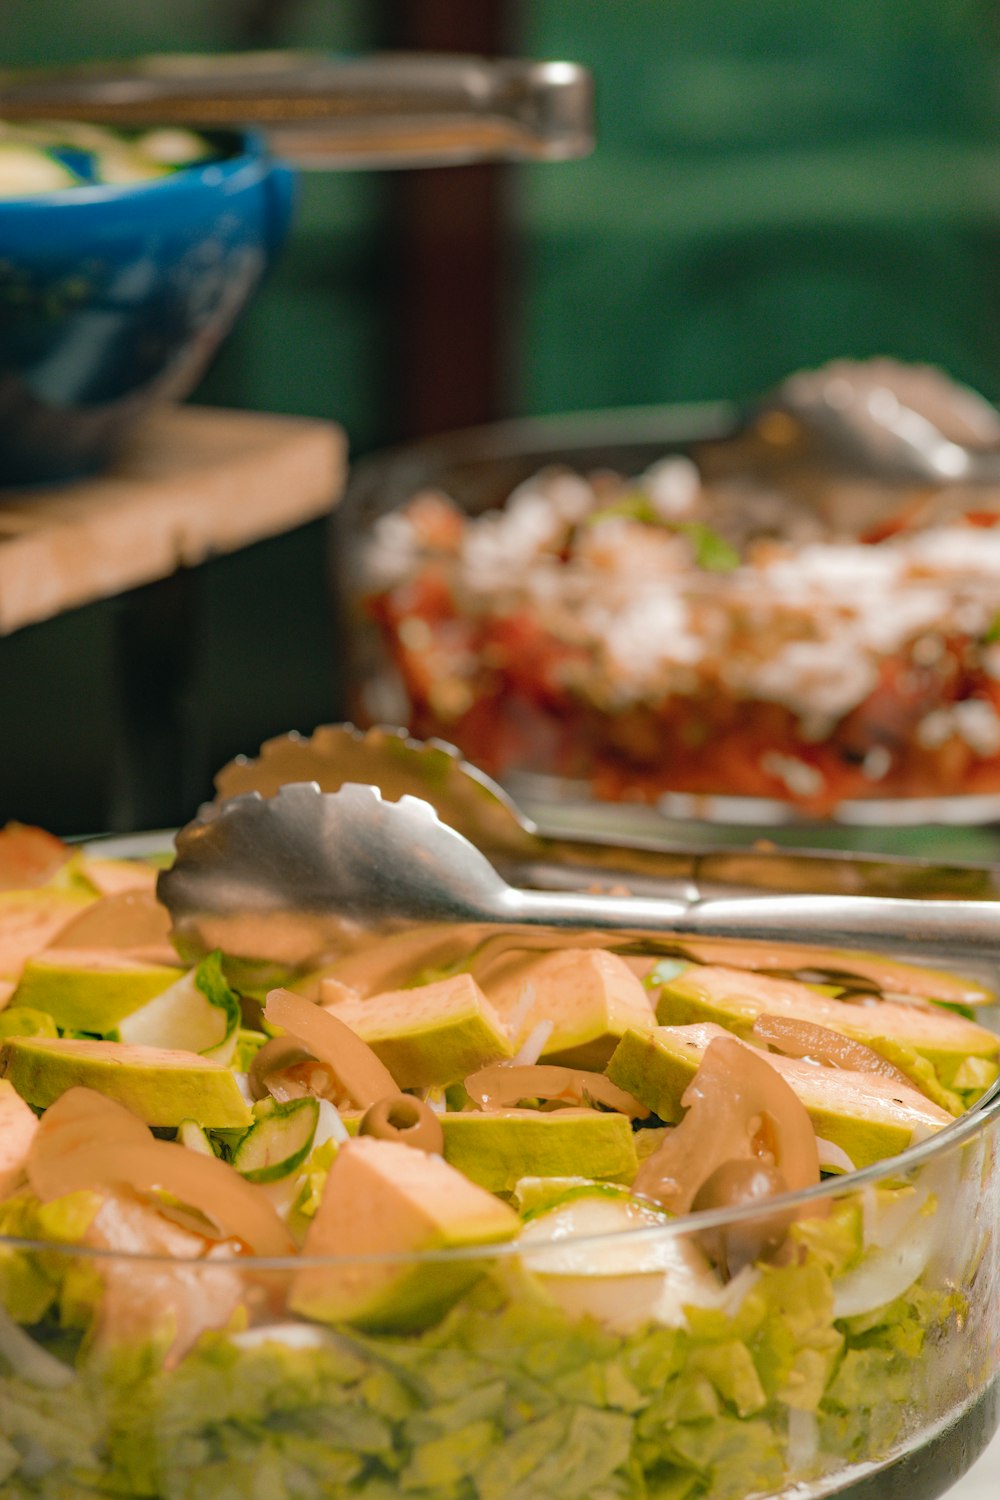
<point>194,482</point>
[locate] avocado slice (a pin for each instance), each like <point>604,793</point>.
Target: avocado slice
<point>590,995</point>
<point>91,989</point>
<point>497,1148</point>
<point>385,1200</point>
<point>160,1086</point>
<point>962,1054</point>
<point>29,920</point>
<point>867,1116</point>
<point>890,974</point>
<point>109,877</point>
<point>430,1036</point>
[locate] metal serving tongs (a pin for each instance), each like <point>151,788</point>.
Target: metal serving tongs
<point>388,110</point>
<point>308,873</point>
<point>477,807</point>
<point>284,881</point>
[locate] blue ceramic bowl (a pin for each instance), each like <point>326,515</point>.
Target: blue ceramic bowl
<point>114,298</point>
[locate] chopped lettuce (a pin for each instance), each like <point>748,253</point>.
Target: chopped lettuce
<point>505,1399</point>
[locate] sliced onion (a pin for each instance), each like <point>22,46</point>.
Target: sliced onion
<point>363,1078</point>
<point>533,1046</point>
<point>805,1039</point>
<point>738,1106</point>
<point>833,1157</point>
<point>329,1126</point>
<point>500,1086</point>
<point>151,1167</point>
<point>803,1440</point>
<point>526,1002</point>
<point>886,1274</point>
<point>29,1361</point>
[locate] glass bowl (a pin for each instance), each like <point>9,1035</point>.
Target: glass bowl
<point>767,646</point>
<point>864,1364</point>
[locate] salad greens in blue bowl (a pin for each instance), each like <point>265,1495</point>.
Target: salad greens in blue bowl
<point>124,262</point>
<point>466,1220</point>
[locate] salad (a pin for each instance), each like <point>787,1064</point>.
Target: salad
<point>531,1221</point>
<point>51,156</point>
<point>703,629</point>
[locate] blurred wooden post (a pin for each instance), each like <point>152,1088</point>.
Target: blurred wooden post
<point>450,262</point>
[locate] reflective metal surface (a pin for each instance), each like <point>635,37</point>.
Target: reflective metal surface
<point>392,110</point>
<point>906,424</point>
<point>307,873</point>
<point>530,853</point>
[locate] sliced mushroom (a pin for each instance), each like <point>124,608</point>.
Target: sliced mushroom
<point>805,1039</point>
<point>86,1141</point>
<point>501,1086</point>
<point>357,1072</point>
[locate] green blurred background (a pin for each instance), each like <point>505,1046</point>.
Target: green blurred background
<point>776,184</point>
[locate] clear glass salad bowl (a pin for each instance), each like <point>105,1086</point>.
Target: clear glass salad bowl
<point>160,1339</point>
<point>608,1365</point>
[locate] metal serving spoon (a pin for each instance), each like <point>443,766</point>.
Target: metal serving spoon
<point>285,881</point>
<point>904,424</point>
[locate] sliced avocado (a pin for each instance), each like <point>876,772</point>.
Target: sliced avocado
<point>383,1199</point>
<point>29,920</point>
<point>735,998</point>
<point>162,1087</point>
<point>429,1036</point>
<point>590,995</point>
<point>90,989</point>
<point>498,1148</point>
<point>890,974</point>
<point>109,877</point>
<point>17,1130</point>
<point>20,1020</point>
<point>867,1116</point>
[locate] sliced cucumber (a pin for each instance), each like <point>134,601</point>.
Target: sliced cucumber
<point>248,1044</point>
<point>538,1195</point>
<point>191,1135</point>
<point>279,1141</point>
<point>199,1013</point>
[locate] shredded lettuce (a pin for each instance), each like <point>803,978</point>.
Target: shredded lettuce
<point>506,1398</point>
